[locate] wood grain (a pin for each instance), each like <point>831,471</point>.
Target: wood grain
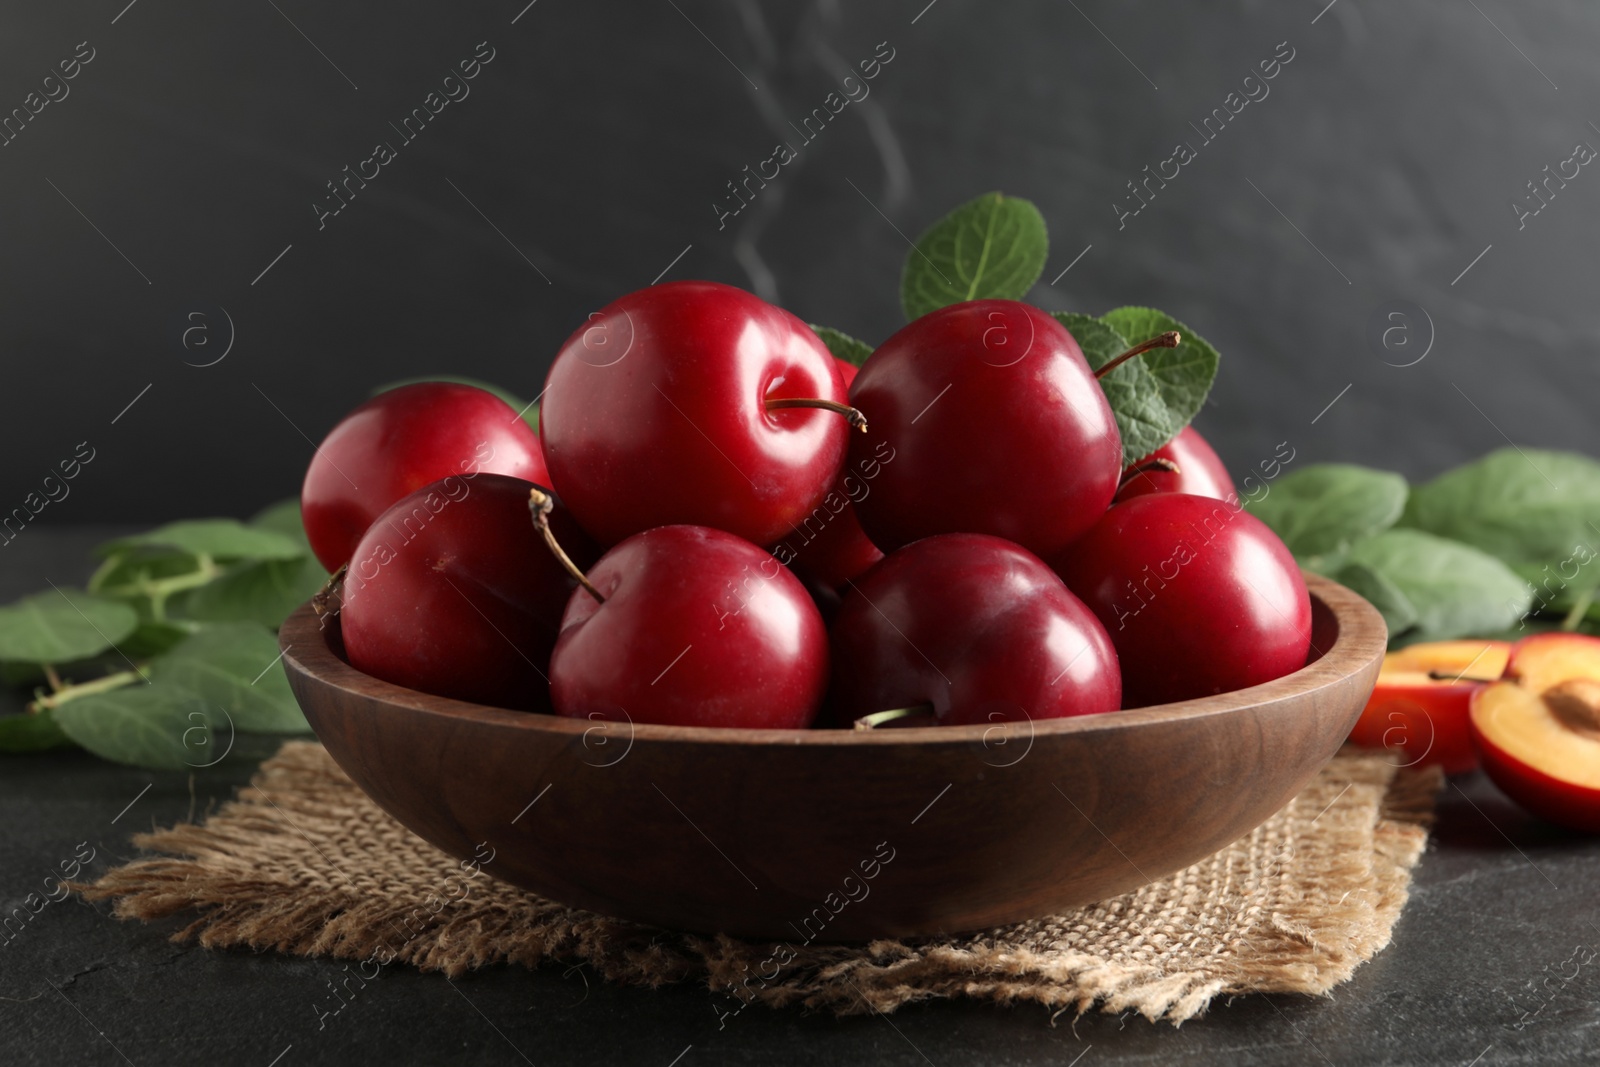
<point>773,834</point>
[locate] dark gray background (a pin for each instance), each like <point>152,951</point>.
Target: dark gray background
<point>600,135</point>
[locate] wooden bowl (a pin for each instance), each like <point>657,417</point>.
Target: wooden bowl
<point>836,835</point>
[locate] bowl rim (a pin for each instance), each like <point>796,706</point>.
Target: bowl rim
<point>1361,640</point>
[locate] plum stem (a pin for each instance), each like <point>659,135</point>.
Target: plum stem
<point>858,420</point>
<point>330,598</point>
<point>1170,339</point>
<point>541,503</point>
<point>878,718</point>
<point>1157,463</point>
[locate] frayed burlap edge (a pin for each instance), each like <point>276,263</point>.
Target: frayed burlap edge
<point>1293,907</point>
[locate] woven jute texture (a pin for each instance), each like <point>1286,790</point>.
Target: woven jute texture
<point>302,862</point>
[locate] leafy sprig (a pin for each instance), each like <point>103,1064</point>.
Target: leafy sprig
<point>1508,544</point>
<point>170,652</point>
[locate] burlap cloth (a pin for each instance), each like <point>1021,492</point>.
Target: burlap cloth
<point>302,862</point>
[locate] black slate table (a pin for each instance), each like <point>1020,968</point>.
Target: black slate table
<point>1496,960</point>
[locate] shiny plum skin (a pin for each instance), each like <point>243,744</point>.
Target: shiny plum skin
<point>454,592</point>
<point>978,627</point>
<point>1198,596</point>
<point>400,441</point>
<point>996,424</point>
<point>698,628</point>
<point>839,551</point>
<point>654,414</point>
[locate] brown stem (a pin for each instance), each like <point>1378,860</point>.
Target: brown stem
<point>1159,463</point>
<point>1452,676</point>
<point>858,420</point>
<point>330,598</point>
<point>540,503</point>
<point>1170,339</point>
<point>53,678</point>
<point>878,718</point>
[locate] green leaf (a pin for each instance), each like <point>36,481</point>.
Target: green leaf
<point>1326,508</point>
<point>1328,566</point>
<point>1399,614</point>
<point>144,725</point>
<point>1456,590</point>
<point>263,593</point>
<point>1100,343</point>
<point>991,247</point>
<point>154,637</point>
<point>1523,505</point>
<point>149,639</point>
<point>220,539</point>
<point>530,415</point>
<point>233,667</point>
<point>283,518</point>
<point>842,345</point>
<point>1551,592</point>
<point>62,625</point>
<point>31,733</point>
<point>1182,375</point>
<point>1143,418</point>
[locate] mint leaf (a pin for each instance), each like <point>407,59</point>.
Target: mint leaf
<point>1456,590</point>
<point>264,592</point>
<point>143,725</point>
<point>842,345</point>
<point>530,415</point>
<point>1399,614</point>
<point>991,247</point>
<point>62,625</point>
<point>1100,343</point>
<point>1144,421</point>
<point>1325,508</point>
<point>1523,505</point>
<point>217,538</point>
<point>31,733</point>
<point>1183,375</point>
<point>233,667</point>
